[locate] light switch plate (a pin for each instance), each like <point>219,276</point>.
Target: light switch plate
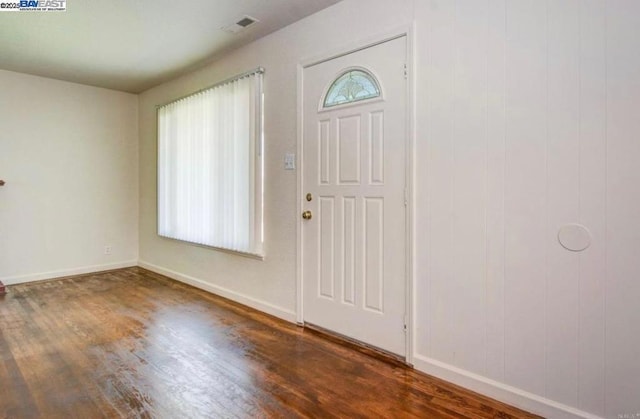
<point>289,161</point>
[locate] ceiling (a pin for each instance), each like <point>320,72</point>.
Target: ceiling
<point>132,45</point>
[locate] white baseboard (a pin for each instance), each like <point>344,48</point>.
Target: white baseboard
<point>263,306</point>
<point>13,280</point>
<point>499,391</point>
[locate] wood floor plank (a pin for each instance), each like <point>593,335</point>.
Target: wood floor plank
<point>132,343</point>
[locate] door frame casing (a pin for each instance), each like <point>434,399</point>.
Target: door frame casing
<point>406,31</point>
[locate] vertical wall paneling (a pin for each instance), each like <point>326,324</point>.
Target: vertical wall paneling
<point>562,180</point>
<point>440,154</point>
<point>525,195</point>
<point>468,186</point>
<point>496,40</point>
<point>592,205</point>
<point>623,207</point>
<point>423,158</point>
<point>531,115</point>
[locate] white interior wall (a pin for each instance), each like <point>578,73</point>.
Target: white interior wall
<point>531,122</point>
<point>68,154</point>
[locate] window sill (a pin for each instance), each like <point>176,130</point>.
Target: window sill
<point>256,256</point>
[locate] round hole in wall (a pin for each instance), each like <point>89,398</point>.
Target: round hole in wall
<point>574,237</point>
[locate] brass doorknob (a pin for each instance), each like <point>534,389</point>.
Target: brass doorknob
<point>307,215</point>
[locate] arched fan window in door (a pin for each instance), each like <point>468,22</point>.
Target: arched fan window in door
<point>352,85</point>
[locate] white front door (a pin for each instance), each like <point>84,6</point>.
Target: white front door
<point>354,244</point>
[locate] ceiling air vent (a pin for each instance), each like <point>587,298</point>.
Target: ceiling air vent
<point>240,25</point>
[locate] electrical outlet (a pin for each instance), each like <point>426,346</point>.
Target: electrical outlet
<point>107,250</point>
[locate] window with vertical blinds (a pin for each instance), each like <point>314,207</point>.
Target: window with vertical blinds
<point>210,166</point>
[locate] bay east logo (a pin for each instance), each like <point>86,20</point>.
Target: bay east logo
<point>33,5</point>
<point>43,4</point>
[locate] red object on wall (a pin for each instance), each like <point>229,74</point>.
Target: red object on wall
<point>3,289</point>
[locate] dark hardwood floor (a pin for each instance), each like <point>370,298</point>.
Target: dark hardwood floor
<point>131,343</point>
